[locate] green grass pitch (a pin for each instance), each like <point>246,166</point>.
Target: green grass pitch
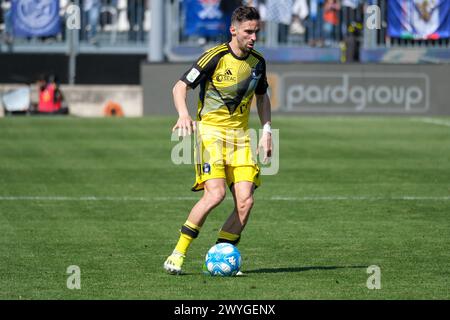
<point>103,194</point>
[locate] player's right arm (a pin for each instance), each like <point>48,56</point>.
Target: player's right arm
<point>185,124</point>
<point>200,70</point>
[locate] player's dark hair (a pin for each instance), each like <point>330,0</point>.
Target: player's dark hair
<point>243,13</point>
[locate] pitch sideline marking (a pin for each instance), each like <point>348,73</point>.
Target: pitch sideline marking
<point>438,122</point>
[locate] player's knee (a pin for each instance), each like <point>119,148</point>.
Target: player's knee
<point>245,204</point>
<point>215,197</point>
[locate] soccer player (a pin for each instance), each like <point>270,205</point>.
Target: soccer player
<point>229,76</point>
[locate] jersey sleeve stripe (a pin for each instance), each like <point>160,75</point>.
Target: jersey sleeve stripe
<point>209,55</point>
<point>211,50</point>
<point>257,54</point>
<point>204,61</point>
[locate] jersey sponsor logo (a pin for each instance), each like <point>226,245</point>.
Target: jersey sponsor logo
<point>227,76</point>
<point>193,75</point>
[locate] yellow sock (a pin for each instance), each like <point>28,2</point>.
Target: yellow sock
<point>188,232</point>
<point>228,237</point>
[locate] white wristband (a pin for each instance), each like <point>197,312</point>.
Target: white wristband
<point>267,128</point>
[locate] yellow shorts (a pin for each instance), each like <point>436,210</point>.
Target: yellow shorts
<point>225,154</point>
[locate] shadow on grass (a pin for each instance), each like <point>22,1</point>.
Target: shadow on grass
<point>301,269</point>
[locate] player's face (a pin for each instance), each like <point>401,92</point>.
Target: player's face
<point>246,33</point>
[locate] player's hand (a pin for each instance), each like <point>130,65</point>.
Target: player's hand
<point>185,125</point>
<point>265,143</point>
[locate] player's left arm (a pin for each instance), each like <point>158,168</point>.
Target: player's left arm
<point>264,112</point>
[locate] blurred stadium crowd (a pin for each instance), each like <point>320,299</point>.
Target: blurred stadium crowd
<point>124,26</point>
<point>98,19</point>
<point>321,23</point>
<point>107,41</point>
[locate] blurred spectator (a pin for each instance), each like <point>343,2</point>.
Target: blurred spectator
<point>122,19</point>
<point>135,12</point>
<point>300,11</point>
<point>280,12</point>
<point>348,14</point>
<point>7,18</point>
<point>331,10</point>
<point>106,15</point>
<point>353,41</point>
<point>91,9</point>
<point>51,99</point>
<point>227,7</point>
<point>63,5</point>
<point>261,6</point>
<point>314,23</point>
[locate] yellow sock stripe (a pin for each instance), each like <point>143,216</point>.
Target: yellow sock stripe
<point>192,226</point>
<point>228,236</point>
<point>205,62</point>
<point>210,52</point>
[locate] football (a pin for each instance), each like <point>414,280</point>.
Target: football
<point>223,259</point>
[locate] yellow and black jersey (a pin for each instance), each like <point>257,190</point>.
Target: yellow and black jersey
<point>227,85</point>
